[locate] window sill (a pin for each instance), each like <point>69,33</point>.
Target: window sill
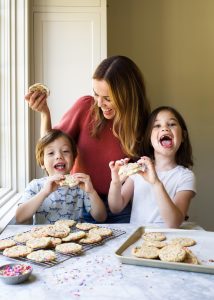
<point>8,210</point>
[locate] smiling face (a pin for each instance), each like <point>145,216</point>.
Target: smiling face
<point>166,135</point>
<point>102,98</point>
<point>58,157</point>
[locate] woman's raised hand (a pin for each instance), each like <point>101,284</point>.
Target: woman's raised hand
<point>37,101</point>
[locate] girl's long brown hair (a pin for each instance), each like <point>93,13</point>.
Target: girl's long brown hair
<point>128,95</point>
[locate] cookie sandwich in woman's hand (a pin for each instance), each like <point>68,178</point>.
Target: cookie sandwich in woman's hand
<point>39,87</point>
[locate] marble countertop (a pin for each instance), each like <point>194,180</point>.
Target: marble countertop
<point>99,275</point>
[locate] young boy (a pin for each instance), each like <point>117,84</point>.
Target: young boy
<point>44,198</point>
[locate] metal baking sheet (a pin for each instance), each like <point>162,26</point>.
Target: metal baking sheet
<point>204,250</point>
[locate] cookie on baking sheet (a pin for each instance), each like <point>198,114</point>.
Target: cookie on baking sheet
<point>67,222</point>
<point>23,237</point>
<point>36,243</point>
<point>7,243</point>
<point>69,248</point>
<point>154,236</point>
<point>172,253</point>
<point>183,241</point>
<point>59,231</point>
<point>91,238</point>
<point>190,257</point>
<point>86,226</point>
<point>148,252</point>
<point>17,251</point>
<point>42,255</point>
<point>157,244</point>
<point>103,231</point>
<point>74,236</point>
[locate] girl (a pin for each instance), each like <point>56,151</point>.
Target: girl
<point>45,199</point>
<point>161,192</point>
<point>107,126</point>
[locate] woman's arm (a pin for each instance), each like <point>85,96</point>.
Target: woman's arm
<point>38,102</point>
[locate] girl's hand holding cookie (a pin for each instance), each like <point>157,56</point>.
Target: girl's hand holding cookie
<point>115,170</point>
<point>148,170</point>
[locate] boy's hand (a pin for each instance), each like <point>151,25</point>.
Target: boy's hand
<point>52,183</point>
<point>84,182</point>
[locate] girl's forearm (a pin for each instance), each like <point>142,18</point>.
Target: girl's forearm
<point>115,200</point>
<point>170,213</point>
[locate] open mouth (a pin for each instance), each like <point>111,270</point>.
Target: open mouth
<point>59,166</point>
<point>107,111</point>
<point>166,141</point>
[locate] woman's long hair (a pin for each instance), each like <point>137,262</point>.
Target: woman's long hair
<point>128,95</point>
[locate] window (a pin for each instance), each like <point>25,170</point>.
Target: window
<point>14,114</point>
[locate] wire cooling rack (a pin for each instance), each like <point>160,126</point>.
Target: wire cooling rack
<point>61,257</point>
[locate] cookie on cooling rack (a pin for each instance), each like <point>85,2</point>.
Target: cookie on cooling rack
<point>54,242</point>
<point>86,226</point>
<point>103,231</point>
<point>69,248</point>
<point>36,243</point>
<point>23,237</point>
<point>67,222</point>
<point>59,231</point>
<point>40,231</point>
<point>7,243</point>
<point>17,251</point>
<point>91,238</point>
<point>42,255</point>
<point>74,236</point>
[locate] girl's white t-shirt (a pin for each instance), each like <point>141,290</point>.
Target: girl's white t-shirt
<point>144,207</point>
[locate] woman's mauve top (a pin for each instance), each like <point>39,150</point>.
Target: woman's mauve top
<point>94,154</point>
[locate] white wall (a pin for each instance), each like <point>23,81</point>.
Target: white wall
<point>172,41</point>
<point>68,42</point>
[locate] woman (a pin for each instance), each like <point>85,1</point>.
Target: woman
<point>108,126</point>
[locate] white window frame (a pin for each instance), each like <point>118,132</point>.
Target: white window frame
<point>14,112</point>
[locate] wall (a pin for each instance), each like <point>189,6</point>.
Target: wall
<point>172,41</point>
